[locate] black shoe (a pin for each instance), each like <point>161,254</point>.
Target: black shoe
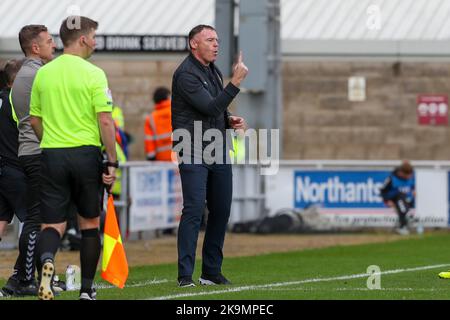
<point>10,287</point>
<point>26,288</point>
<point>208,280</point>
<point>185,282</point>
<point>4,294</point>
<point>88,295</point>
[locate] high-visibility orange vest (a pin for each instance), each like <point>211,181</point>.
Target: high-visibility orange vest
<point>158,133</point>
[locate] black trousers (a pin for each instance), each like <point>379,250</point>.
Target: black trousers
<point>13,193</point>
<point>402,206</point>
<point>212,183</point>
<point>25,263</point>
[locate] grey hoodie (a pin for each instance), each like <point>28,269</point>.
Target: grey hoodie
<point>21,94</point>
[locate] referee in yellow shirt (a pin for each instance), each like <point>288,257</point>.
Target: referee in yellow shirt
<point>71,109</point>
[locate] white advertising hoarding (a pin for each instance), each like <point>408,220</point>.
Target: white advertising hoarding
<point>156,198</point>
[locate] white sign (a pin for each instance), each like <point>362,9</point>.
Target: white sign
<point>432,197</point>
<point>156,199</point>
<point>357,89</point>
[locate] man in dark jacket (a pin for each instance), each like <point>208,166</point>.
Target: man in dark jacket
<point>13,188</point>
<point>199,103</point>
<point>12,179</point>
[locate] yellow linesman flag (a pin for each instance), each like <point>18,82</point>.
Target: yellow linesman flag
<point>114,262</point>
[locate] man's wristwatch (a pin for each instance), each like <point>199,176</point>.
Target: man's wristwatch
<point>112,164</point>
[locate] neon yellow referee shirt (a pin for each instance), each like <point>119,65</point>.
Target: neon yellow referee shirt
<point>67,94</point>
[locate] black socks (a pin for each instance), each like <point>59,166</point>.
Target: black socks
<point>48,244</point>
<point>89,256</point>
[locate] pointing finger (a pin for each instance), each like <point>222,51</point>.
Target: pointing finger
<point>239,57</point>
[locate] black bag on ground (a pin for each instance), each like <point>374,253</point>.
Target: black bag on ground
<point>285,221</point>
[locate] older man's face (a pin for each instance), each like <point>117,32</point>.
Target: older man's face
<point>46,46</point>
<point>207,46</point>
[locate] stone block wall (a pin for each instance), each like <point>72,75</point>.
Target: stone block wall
<point>132,84</point>
<point>319,121</point>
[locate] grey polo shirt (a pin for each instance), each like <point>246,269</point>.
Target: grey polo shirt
<point>21,94</point>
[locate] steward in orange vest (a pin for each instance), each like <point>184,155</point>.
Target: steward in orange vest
<point>158,128</point>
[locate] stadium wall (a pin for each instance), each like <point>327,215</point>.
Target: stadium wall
<point>321,123</point>
<point>319,120</point>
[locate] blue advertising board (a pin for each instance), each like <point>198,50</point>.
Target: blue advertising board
<point>339,189</point>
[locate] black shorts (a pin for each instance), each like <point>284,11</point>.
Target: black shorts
<point>71,176</point>
<point>13,194</point>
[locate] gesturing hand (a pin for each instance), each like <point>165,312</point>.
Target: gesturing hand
<point>240,71</point>
<point>237,123</point>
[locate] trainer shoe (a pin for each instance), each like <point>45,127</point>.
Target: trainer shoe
<point>10,287</point>
<point>185,282</point>
<point>444,275</point>
<point>208,280</point>
<point>45,287</point>
<point>88,295</point>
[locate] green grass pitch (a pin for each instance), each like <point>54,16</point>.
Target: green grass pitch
<point>408,268</point>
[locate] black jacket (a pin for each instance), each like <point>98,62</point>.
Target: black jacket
<point>9,133</point>
<point>396,186</point>
<point>198,95</point>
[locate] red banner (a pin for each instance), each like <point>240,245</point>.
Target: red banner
<point>432,110</point>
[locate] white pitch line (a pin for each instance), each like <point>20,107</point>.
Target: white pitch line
<point>134,285</point>
<point>358,289</point>
<point>281,284</point>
